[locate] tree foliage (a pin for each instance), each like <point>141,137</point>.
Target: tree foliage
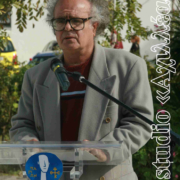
<point>123,14</point>
<point>10,90</point>
<point>25,11</point>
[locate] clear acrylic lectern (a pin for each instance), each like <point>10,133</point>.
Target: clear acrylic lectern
<point>73,155</point>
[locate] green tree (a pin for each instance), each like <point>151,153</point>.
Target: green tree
<point>25,11</point>
<point>123,14</point>
<point>10,89</point>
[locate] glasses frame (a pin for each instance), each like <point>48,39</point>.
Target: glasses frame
<point>69,20</point>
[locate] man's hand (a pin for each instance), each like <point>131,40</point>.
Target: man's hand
<point>98,153</point>
<point>35,150</point>
<point>34,139</point>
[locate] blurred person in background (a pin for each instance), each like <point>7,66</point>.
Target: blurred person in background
<point>114,40</point>
<point>135,45</point>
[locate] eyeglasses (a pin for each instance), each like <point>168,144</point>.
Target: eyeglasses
<point>75,23</point>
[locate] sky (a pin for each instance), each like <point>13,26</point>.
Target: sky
<point>33,40</point>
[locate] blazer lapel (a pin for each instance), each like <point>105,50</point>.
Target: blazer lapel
<point>94,103</point>
<point>49,102</point>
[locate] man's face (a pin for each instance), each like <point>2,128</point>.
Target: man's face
<point>69,39</point>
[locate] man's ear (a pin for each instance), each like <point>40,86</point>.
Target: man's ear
<point>95,26</point>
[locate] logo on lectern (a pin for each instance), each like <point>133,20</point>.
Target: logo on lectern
<point>44,166</point>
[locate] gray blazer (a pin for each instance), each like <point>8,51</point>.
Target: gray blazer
<point>119,73</point>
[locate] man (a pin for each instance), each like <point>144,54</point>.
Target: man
<point>45,113</point>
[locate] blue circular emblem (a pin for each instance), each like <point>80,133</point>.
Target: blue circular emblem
<point>44,166</point>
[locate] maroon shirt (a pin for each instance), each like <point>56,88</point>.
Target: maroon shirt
<point>72,103</point>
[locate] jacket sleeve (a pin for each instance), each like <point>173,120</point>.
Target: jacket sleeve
<point>23,125</point>
<point>133,131</point>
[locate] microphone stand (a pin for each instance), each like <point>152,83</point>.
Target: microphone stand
<point>175,138</point>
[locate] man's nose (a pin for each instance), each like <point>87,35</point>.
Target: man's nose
<point>68,26</point>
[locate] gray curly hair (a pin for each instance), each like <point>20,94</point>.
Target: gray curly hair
<point>99,12</point>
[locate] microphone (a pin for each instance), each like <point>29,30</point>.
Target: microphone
<point>60,72</point>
